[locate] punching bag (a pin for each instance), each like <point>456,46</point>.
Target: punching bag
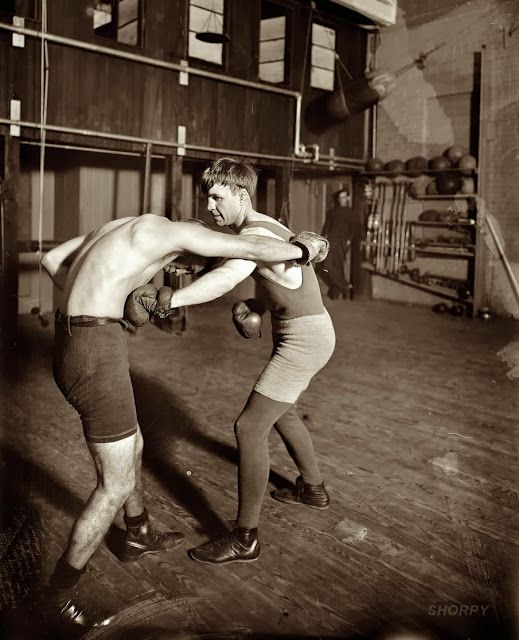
<point>359,94</point>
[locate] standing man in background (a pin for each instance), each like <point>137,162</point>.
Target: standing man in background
<point>341,231</point>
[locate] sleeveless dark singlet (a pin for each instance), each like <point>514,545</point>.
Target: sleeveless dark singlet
<point>285,303</point>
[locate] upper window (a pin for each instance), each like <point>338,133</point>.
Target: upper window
<point>322,75</point>
<point>120,20</point>
<point>272,43</point>
<point>204,16</point>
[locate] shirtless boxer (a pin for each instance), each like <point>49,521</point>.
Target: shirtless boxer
<point>304,341</point>
<point>96,273</point>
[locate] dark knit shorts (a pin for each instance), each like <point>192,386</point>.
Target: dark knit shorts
<point>92,371</point>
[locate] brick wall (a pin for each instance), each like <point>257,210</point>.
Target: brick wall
<point>434,108</point>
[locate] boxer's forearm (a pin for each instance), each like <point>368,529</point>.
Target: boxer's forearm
<point>201,291</point>
<point>214,284</point>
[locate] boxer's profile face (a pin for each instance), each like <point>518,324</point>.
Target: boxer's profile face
<point>223,204</point>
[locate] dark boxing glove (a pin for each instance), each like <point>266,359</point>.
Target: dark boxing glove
<point>315,247</point>
<point>140,305</point>
<point>246,316</point>
<point>163,309</point>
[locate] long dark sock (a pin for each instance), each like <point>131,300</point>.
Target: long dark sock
<point>297,440</point>
<point>252,429</point>
<point>65,576</point>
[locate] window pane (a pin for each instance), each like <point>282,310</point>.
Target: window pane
<point>202,20</point>
<point>272,28</point>
<point>324,58</point>
<point>217,5</point>
<point>204,50</point>
<point>102,17</point>
<point>272,71</point>
<point>272,50</point>
<point>323,36</point>
<point>322,79</point>
<point>129,34</point>
<point>128,11</point>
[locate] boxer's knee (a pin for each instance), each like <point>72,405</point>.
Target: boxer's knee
<point>118,488</point>
<point>247,430</point>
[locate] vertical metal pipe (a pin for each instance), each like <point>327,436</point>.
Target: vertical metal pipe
<point>146,200</point>
<point>297,124</point>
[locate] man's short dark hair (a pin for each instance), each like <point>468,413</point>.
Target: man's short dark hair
<point>231,173</point>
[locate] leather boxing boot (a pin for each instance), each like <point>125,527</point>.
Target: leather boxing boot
<point>311,495</point>
<point>239,545</point>
<point>141,538</point>
<point>63,608</point>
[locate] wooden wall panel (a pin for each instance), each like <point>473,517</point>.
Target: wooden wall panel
<point>243,27</point>
<point>92,91</point>
<point>4,84</point>
<point>166,29</point>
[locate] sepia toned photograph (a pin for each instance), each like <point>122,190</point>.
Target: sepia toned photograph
<point>259,293</point>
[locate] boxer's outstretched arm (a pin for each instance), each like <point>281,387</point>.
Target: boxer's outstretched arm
<point>159,236</point>
<point>56,262</point>
<point>213,284</point>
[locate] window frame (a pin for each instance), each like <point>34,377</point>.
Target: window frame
<point>200,62</point>
<point>328,24</point>
<point>141,31</point>
<point>288,67</point>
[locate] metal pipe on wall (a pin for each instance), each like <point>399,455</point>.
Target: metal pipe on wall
<point>350,164</point>
<point>146,199</point>
<point>73,147</point>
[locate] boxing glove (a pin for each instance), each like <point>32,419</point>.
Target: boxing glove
<point>140,305</point>
<point>163,309</point>
<point>315,247</point>
<point>246,316</point>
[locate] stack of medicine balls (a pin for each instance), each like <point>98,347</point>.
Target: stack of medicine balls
<point>449,174</point>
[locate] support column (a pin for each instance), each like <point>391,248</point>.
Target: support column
<point>283,176</point>
<point>360,278</point>
<point>177,322</point>
<point>9,178</point>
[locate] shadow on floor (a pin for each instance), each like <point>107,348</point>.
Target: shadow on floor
<point>164,420</point>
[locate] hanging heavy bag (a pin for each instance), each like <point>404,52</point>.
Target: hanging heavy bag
<point>358,95</point>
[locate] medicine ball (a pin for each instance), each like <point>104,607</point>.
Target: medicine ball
<point>457,310</point>
<point>439,163</point>
<point>429,215</point>
<point>448,183</point>
<point>467,164</point>
<point>374,165</point>
<point>416,166</point>
<point>395,168</point>
<point>441,307</point>
<point>454,153</point>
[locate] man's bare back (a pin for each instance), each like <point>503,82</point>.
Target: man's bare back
<point>107,267</point>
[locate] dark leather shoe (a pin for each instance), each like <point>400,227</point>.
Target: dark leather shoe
<point>311,495</point>
<point>62,607</point>
<point>239,545</point>
<point>146,540</point>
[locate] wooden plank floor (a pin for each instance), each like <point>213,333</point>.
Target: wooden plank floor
<point>415,425</point>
